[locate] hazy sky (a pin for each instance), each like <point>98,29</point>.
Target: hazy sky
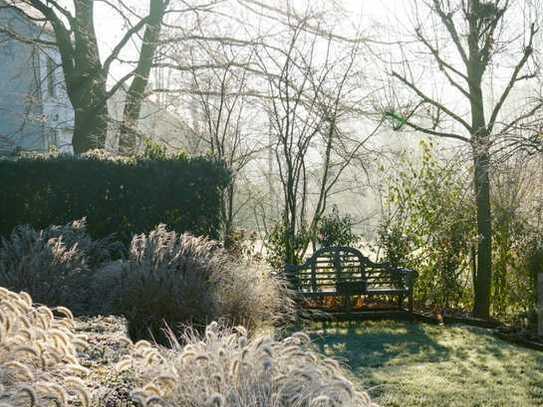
<point>362,13</point>
<point>381,20</point>
<point>373,18</point>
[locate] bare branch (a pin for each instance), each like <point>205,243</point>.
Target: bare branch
<point>528,51</point>
<point>433,102</point>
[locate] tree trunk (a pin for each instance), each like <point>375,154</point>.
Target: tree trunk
<point>87,83</point>
<point>483,281</point>
<point>480,144</point>
<point>540,304</point>
<point>128,137</point>
<point>91,114</point>
<point>90,127</point>
<point>228,216</point>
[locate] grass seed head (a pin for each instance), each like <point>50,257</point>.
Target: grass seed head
<point>216,400</point>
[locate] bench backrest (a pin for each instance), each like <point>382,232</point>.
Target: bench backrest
<point>331,266</point>
<point>340,265</point>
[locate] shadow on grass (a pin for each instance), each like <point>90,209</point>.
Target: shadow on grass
<point>416,364</point>
<point>371,345</point>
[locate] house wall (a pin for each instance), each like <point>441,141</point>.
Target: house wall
<point>21,123</point>
<point>58,112</point>
<point>30,118</point>
<point>155,123</point>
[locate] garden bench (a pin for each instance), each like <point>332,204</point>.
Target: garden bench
<point>345,272</point>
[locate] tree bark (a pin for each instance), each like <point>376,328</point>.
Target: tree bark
<point>481,156</point>
<point>228,215</point>
<point>128,137</point>
<point>483,281</point>
<point>87,83</point>
<point>540,304</point>
<point>90,126</point>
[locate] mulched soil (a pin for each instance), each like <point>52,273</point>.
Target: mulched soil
<point>108,344</point>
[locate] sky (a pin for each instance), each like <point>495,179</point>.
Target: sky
<point>359,13</point>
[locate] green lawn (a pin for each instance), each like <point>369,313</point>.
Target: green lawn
<point>414,364</point>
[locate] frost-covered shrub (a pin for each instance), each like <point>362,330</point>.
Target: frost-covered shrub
<point>38,361</point>
<point>96,251</point>
<point>54,265</point>
<point>181,279</point>
<point>226,369</point>
<point>167,278</point>
<point>250,295</point>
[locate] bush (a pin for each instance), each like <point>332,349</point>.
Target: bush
<point>430,227</point>
<point>336,230</point>
<point>39,366</point>
<point>331,230</point>
<point>38,361</point>
<point>181,279</point>
<point>251,295</point>
<point>117,195</point>
<point>282,249</point>
<point>517,250</point>
<point>97,252</point>
<point>242,243</point>
<point>54,265</point>
<point>226,369</point>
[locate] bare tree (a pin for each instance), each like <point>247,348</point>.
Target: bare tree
<point>478,32</point>
<point>225,113</point>
<point>308,90</point>
<point>312,90</point>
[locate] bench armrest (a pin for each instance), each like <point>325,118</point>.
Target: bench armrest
<point>409,276</point>
<point>291,274</point>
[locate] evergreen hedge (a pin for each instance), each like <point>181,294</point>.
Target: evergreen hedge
<point>117,195</point>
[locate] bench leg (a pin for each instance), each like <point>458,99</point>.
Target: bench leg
<point>410,302</point>
<point>347,303</point>
<point>400,302</point>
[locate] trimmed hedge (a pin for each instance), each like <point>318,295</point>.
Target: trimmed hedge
<point>117,196</point>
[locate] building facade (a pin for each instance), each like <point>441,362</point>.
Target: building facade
<point>35,111</point>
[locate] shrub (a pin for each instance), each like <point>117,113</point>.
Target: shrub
<point>242,243</point>
<point>39,366</point>
<point>96,251</point>
<point>117,195</point>
<point>226,369</point>
<point>167,278</point>
<point>38,362</point>
<point>251,295</point>
<point>180,279</point>
<point>430,227</point>
<point>282,248</point>
<point>517,251</point>
<point>336,230</point>
<point>54,265</point>
<point>533,264</point>
<point>331,230</point>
